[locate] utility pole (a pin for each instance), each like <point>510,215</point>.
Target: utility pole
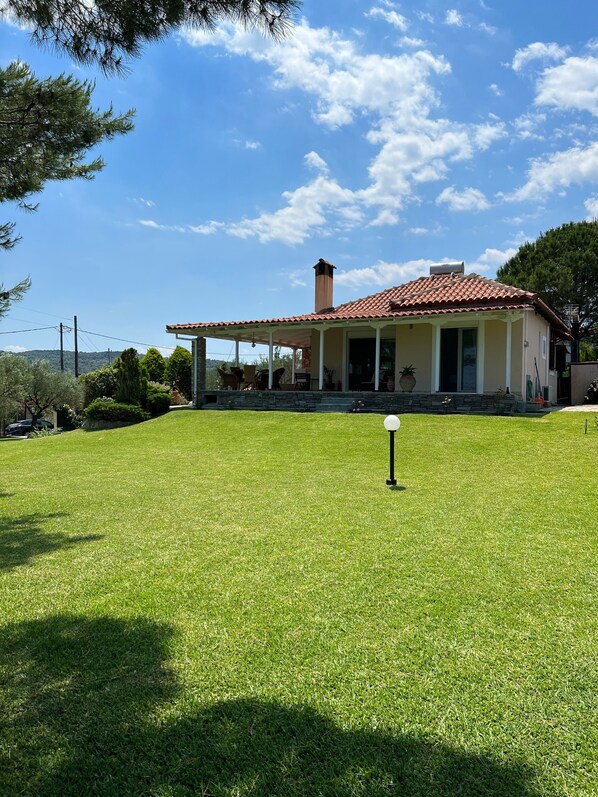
<point>61,349</point>
<point>76,348</point>
<point>109,358</point>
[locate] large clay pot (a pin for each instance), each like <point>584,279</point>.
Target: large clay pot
<point>407,383</point>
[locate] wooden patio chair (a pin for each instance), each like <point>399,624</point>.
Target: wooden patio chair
<point>249,376</point>
<point>229,381</point>
<point>261,380</point>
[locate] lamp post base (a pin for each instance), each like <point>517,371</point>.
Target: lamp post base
<point>391,482</point>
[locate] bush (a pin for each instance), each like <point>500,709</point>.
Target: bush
<point>99,383</point>
<point>106,409</point>
<point>178,371</point>
<point>131,378</point>
<point>157,401</point>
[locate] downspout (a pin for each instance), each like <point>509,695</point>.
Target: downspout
<point>321,363</point>
<point>377,362</point>
<point>508,354</point>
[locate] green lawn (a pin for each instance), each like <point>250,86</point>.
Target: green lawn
<point>236,604</point>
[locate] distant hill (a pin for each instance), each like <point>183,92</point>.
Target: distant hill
<point>88,360</point>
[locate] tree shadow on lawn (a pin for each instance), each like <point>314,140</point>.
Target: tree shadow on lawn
<point>23,538</point>
<point>82,704</point>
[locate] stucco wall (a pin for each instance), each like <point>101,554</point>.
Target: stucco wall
<point>333,353</point>
<point>414,347</point>
<point>581,376</point>
<point>537,329</point>
<point>495,359</point>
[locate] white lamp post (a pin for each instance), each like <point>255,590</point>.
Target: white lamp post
<point>392,424</point>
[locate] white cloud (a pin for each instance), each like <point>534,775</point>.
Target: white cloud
<point>498,92</point>
<point>390,16</point>
<point>383,274</point>
<point>385,218</point>
<point>252,145</point>
<point>557,172</point>
<point>154,225</point>
<point>410,41</point>
<point>394,95</point>
<point>591,205</point>
<point>315,162</point>
<point>537,51</point>
<point>437,230</point>
<point>148,203</point>
<point>489,29</point>
<point>526,126</point>
<point>471,199</point>
<point>208,228</point>
<point>307,210</point>
<point>572,85</point>
<point>453,17</point>
<point>491,259</point>
<point>15,349</point>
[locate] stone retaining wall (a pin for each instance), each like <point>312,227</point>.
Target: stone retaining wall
<point>310,401</point>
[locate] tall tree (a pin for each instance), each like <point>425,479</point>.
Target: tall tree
<point>47,127</point>
<point>106,32</point>
<point>562,267</point>
<point>51,389</point>
<point>131,378</point>
<point>15,383</point>
<point>154,364</point>
<point>178,370</point>
<point>14,294</point>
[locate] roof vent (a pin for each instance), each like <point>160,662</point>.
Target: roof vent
<point>447,268</point>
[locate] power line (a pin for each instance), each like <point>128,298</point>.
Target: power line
<point>124,340</point>
<point>17,331</point>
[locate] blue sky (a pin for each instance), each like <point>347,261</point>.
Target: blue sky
<point>381,136</point>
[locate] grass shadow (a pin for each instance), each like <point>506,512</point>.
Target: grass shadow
<point>85,710</point>
<point>22,539</point>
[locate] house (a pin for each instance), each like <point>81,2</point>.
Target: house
<point>464,334</point>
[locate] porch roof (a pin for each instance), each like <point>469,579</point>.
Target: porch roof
<point>441,294</point>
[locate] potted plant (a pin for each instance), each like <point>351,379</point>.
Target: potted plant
<point>407,378</point>
<point>390,382</point>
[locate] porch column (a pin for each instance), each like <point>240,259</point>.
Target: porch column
<point>293,364</point>
<point>480,356</point>
<point>237,353</point>
<point>198,349</point>
<point>377,362</point>
<point>436,358</point>
<point>321,363</point>
<point>194,369</point>
<point>270,359</point>
<point>508,357</point>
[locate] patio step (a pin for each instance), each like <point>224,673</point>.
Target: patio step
<point>334,404</point>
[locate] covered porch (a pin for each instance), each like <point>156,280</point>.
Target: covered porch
<point>464,355</point>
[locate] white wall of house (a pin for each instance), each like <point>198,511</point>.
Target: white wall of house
<point>495,359</point>
<point>414,347</point>
<point>537,335</point>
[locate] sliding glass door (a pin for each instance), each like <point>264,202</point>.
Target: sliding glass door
<point>458,360</point>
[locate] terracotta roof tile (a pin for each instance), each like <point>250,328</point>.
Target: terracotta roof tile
<point>435,295</point>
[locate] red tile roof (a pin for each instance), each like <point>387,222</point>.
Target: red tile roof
<point>441,294</point>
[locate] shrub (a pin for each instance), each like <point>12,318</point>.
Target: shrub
<point>178,370</point>
<point>154,364</point>
<point>106,409</point>
<point>98,383</point>
<point>157,401</point>
<point>131,378</point>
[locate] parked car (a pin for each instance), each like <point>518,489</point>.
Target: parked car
<point>22,428</point>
